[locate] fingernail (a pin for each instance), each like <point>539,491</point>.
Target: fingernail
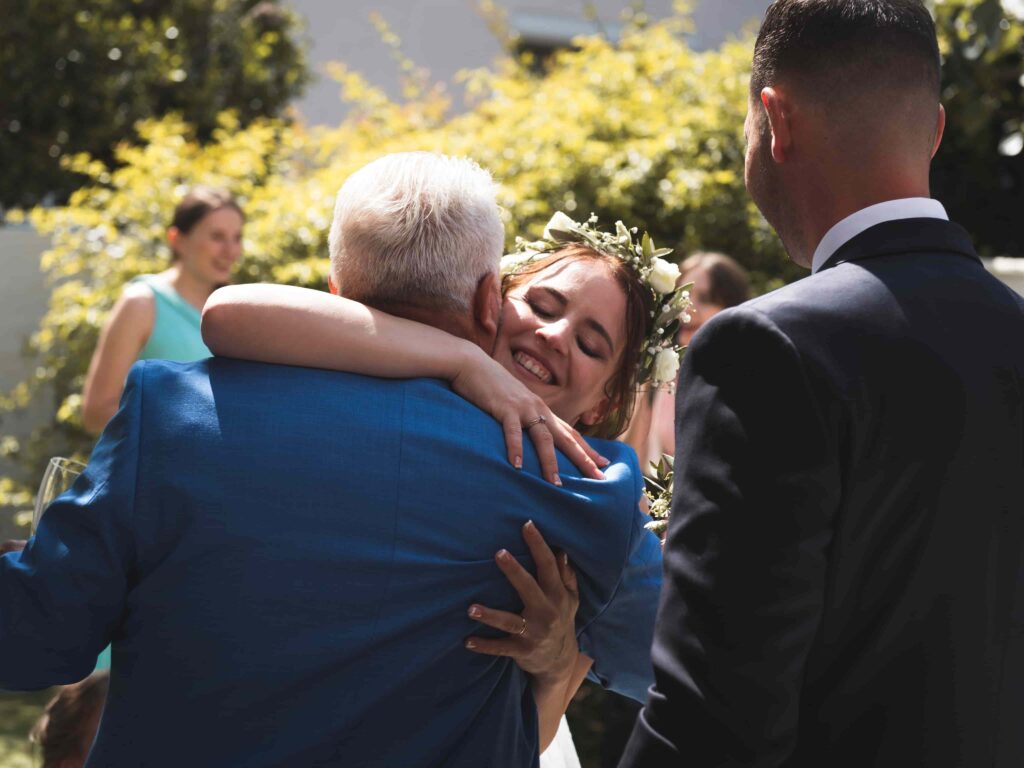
<point>601,475</point>
<point>503,554</point>
<point>556,479</point>
<point>517,462</point>
<point>475,612</point>
<point>602,461</point>
<point>529,526</point>
<point>471,643</point>
<point>565,559</point>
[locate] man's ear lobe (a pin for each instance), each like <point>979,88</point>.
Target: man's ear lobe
<point>331,285</point>
<point>940,129</point>
<point>778,112</point>
<point>487,304</point>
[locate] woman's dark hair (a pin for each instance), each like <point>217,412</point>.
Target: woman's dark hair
<point>198,204</point>
<point>838,46</point>
<point>66,730</point>
<point>728,284</point>
<point>621,388</point>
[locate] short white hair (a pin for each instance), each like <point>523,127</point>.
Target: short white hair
<point>416,228</point>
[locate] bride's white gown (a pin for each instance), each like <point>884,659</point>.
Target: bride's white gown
<point>562,751</point>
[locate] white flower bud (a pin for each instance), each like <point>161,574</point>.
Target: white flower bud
<point>666,366</point>
<point>559,221</point>
<point>664,275</point>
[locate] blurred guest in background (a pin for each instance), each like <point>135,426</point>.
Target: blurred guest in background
<point>719,282</point>
<point>67,728</point>
<point>158,315</point>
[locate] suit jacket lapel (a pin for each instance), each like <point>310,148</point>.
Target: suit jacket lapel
<point>905,236</point>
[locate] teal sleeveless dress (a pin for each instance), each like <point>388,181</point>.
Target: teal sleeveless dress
<point>176,336</point>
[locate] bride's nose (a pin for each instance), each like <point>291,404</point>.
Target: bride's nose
<point>556,335</point>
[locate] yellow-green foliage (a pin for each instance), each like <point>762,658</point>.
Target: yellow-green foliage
<point>648,131</point>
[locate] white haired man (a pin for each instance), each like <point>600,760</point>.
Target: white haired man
<point>283,557</point>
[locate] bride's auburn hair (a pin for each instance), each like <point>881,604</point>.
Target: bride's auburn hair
<point>621,387</point>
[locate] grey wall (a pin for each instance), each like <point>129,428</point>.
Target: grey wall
<point>446,36</point>
<point>22,298</point>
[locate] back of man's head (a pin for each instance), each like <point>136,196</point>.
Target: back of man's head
<point>868,63</point>
<point>416,229</point>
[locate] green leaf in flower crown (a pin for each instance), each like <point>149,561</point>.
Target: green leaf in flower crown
<point>660,252</point>
<point>648,246</point>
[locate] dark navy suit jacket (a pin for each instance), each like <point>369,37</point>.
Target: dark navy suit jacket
<point>845,562</point>
<point>283,559</point>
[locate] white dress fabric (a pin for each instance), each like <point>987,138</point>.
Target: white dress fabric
<point>561,753</point>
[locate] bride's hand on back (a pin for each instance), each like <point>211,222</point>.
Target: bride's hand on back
<point>541,639</point>
<point>486,384</point>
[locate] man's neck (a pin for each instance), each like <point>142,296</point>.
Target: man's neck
<point>446,320</point>
<point>832,203</point>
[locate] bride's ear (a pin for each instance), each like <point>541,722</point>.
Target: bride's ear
<point>487,304</point>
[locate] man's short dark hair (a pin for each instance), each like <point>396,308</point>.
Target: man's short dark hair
<point>839,46</point>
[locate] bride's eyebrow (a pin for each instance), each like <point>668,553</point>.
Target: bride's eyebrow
<point>589,322</point>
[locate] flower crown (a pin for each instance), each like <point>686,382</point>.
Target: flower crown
<point>659,362</point>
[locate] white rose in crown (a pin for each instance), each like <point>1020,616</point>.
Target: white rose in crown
<point>666,366</point>
<point>559,221</point>
<point>664,275</point>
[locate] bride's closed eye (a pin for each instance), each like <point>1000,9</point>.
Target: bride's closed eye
<point>547,307</point>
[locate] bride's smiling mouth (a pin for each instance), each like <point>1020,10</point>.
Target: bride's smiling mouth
<point>534,367</point>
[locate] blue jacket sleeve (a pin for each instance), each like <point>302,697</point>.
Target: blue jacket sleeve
<point>62,598</point>
<point>619,638</point>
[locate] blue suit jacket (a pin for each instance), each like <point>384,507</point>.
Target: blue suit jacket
<point>283,559</point>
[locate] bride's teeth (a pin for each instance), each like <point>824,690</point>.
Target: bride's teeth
<point>529,364</point>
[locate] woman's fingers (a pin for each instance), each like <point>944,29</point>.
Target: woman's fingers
<point>513,439</point>
<point>577,450</point>
<point>568,575</point>
<point>544,443</point>
<point>524,584</point>
<point>513,623</point>
<point>547,567</point>
<point>493,646</point>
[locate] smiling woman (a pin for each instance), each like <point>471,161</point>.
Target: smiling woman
<point>573,326</point>
<point>158,316</point>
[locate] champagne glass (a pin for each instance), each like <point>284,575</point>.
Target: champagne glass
<point>59,475</point>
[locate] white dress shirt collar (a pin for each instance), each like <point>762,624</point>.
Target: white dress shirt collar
<point>865,218</point>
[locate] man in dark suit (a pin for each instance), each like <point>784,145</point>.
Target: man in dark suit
<point>844,582</point>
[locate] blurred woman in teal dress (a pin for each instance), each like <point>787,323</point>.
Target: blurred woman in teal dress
<point>158,316</point>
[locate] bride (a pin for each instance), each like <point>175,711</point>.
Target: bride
<point>587,317</point>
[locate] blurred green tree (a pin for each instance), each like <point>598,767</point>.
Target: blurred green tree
<point>978,172</point>
<point>77,76</point>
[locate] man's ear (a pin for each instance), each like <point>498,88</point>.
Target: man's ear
<point>332,286</point>
<point>777,109</point>
<point>940,129</point>
<point>487,308</point>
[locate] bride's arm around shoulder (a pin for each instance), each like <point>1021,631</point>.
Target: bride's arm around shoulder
<point>299,326</point>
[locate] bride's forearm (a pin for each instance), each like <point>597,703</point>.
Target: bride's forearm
<point>553,696</point>
<point>299,326</point>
